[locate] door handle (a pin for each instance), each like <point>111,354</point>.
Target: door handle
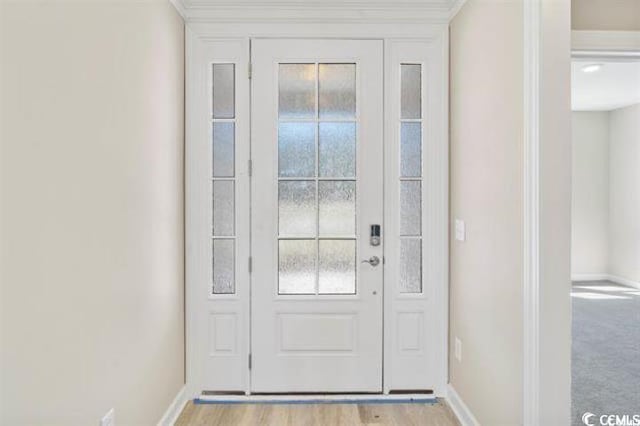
<point>373,261</point>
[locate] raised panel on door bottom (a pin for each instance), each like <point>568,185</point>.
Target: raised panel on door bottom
<point>223,334</point>
<point>323,333</point>
<point>410,332</point>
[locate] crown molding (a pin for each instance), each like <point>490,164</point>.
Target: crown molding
<point>180,7</point>
<point>602,45</point>
<point>317,11</point>
<point>620,41</point>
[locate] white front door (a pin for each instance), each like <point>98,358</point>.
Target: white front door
<point>317,190</point>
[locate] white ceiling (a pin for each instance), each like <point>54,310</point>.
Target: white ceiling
<point>615,85</point>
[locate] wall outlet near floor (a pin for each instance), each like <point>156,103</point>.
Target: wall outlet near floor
<point>109,419</point>
<point>460,231</point>
<point>458,349</point>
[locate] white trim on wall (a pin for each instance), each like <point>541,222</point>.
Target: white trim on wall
<point>589,277</point>
<point>531,261</point>
<point>460,409</point>
<point>314,11</point>
<point>606,277</point>
<point>605,43</point>
<point>175,408</point>
<point>179,5</point>
<point>624,281</point>
<point>207,32</point>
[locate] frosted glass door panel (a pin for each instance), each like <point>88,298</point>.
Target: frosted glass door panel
<point>223,266</point>
<point>317,178</point>
<point>337,149</point>
<point>337,208</point>
<point>337,91</point>
<point>297,92</point>
<point>297,266</point>
<point>223,208</point>
<point>337,267</point>
<point>411,88</point>
<point>223,146</point>
<point>297,208</point>
<point>411,149</point>
<point>297,149</point>
<point>411,265</point>
<point>411,133</point>
<point>223,90</point>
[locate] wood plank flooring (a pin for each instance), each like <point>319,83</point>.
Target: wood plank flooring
<point>438,414</point>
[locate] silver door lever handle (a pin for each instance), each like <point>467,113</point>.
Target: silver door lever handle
<point>373,261</point>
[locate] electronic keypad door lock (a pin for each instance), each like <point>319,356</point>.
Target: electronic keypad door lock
<point>375,235</point>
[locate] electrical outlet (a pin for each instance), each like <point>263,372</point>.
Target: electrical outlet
<point>458,350</point>
<point>109,419</point>
<point>460,231</point>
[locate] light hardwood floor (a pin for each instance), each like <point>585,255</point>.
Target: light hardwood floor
<point>316,414</point>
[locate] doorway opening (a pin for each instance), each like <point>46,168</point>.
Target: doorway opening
<point>321,266</point>
<point>605,233</point>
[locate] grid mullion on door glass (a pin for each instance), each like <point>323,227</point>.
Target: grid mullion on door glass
<point>296,174</point>
<point>410,179</point>
<point>223,127</point>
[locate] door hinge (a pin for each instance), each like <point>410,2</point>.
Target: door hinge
<point>250,264</point>
<point>249,71</point>
<point>250,167</point>
<point>249,361</point>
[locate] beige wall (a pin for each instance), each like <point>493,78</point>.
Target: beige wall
<point>91,211</point>
<point>486,192</point>
<point>605,15</point>
<point>624,196</point>
<point>590,193</point>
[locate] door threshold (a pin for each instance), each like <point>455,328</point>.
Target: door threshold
<point>414,398</point>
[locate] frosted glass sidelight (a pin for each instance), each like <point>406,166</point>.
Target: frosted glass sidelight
<point>337,267</point>
<point>337,207</point>
<point>223,266</point>
<point>411,149</point>
<point>297,266</point>
<point>223,90</point>
<point>410,265</point>
<point>223,149</point>
<point>410,91</point>
<point>297,208</point>
<point>337,149</point>
<point>337,86</point>
<point>297,91</point>
<point>223,208</point>
<point>296,149</point>
<point>410,207</point>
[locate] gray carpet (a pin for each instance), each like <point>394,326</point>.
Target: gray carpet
<point>606,349</point>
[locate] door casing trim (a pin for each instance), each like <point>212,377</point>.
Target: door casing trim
<point>199,33</point>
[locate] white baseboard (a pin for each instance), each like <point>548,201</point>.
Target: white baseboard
<point>174,410</point>
<point>589,277</point>
<point>460,409</point>
<point>624,281</point>
<point>606,277</point>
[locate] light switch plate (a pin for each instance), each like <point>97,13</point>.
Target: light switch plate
<point>109,419</point>
<point>460,231</point>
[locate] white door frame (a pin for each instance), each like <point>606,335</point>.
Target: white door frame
<point>424,27</point>
<point>537,336</point>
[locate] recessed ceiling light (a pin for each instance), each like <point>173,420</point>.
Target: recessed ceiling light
<point>591,68</point>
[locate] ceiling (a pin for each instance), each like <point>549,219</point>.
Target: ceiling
<point>615,85</point>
